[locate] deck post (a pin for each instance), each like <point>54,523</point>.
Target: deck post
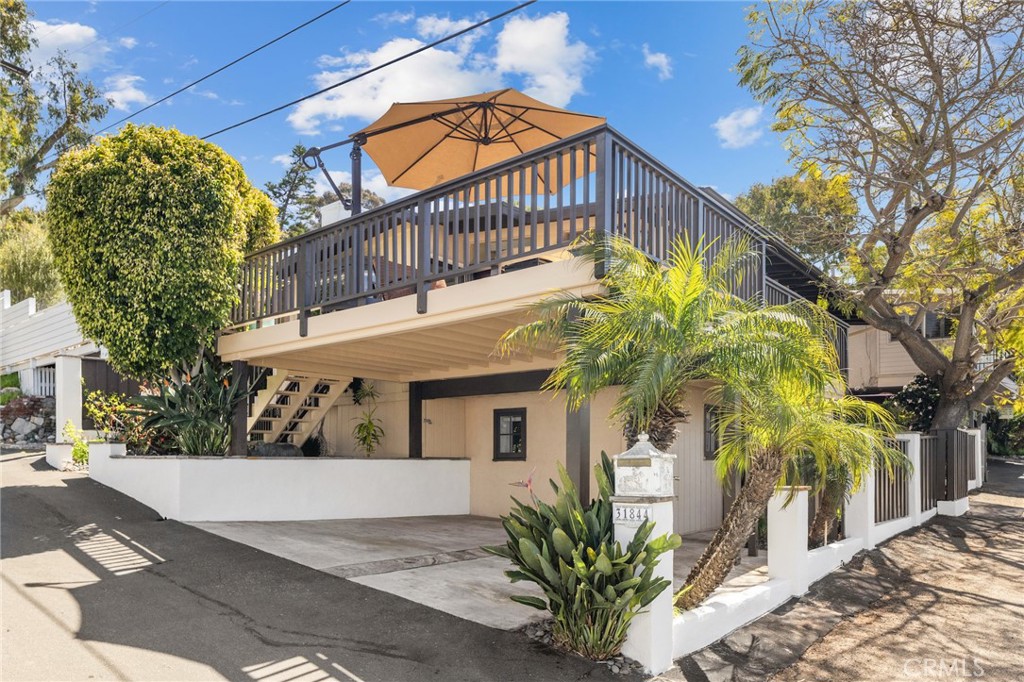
<point>239,446</point>
<point>302,275</point>
<point>415,420</point>
<point>422,256</point>
<point>604,195</point>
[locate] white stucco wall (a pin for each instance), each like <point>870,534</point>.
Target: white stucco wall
<point>286,489</point>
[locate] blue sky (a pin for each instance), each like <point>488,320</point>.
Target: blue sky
<point>659,71</point>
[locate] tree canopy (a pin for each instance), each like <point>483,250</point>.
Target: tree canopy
<point>148,229</point>
<point>297,200</point>
<point>919,106</point>
<point>26,261</point>
<point>41,114</point>
<point>813,214</point>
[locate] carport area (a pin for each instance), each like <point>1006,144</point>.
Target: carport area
<point>436,561</point>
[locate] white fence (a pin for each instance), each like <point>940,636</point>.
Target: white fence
<point>792,567</point>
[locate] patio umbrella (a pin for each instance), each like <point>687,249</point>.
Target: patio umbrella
<point>423,144</point>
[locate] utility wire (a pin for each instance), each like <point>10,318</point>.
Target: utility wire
<point>374,69</point>
<point>226,66</point>
<point>116,28</point>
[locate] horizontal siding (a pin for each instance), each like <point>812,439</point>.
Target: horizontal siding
<point>24,335</point>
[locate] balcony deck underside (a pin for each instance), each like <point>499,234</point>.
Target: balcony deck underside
<point>389,340</point>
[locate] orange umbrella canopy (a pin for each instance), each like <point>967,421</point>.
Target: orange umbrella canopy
<point>422,144</point>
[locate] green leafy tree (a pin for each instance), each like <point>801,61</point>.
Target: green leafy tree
<point>41,115</point>
<point>26,261</point>
<point>919,106</point>
<point>296,214</point>
<point>147,229</point>
<point>813,214</point>
<point>298,204</point>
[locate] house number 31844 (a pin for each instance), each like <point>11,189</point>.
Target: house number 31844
<point>631,513</point>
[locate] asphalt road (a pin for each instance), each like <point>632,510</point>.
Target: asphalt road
<point>96,587</point>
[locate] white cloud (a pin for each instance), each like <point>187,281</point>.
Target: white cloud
<point>127,42</point>
<point>432,74</point>
<point>537,51</point>
<point>282,160</point>
<point>540,50</point>
<point>81,43</point>
<point>211,95</point>
<point>124,91</point>
<point>395,17</point>
<point>739,128</point>
<point>659,61</point>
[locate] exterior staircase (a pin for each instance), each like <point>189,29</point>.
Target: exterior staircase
<point>290,406</point>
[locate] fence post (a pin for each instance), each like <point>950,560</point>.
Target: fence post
<point>913,441</point>
<point>422,256</point>
<point>860,511</point>
<point>644,490</point>
<point>948,504</point>
<point>604,193</point>
<point>787,538</point>
<point>302,274</point>
<point>68,393</point>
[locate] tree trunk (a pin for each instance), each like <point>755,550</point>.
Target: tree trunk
<point>662,429</point>
<point>720,555</point>
<point>831,499</point>
<point>950,414</point>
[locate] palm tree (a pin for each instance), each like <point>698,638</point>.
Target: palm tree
<point>660,327</point>
<point>767,431</point>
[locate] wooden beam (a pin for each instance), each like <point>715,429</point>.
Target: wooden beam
<point>239,446</point>
<point>348,369</point>
<point>493,384</point>
<point>577,449</point>
<point>415,420</point>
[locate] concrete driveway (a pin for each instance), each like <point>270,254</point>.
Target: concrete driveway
<point>95,586</point>
<point>434,560</point>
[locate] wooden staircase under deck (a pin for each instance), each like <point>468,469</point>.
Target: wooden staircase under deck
<point>292,405</point>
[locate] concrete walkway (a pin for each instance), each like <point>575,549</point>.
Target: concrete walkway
<point>434,560</point>
<point>95,586</point>
<point>944,601</point>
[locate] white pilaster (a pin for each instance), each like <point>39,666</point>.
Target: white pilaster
<point>787,538</point>
<point>68,393</point>
<point>650,632</point>
<point>860,512</point>
<point>913,441</point>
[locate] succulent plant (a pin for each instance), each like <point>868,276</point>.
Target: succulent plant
<point>594,587</point>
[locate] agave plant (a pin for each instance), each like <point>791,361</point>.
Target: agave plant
<point>594,587</point>
<point>194,406</point>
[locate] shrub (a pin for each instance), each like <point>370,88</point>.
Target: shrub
<point>26,264</point>
<point>1005,436</point>
<point>116,420</point>
<point>914,405</point>
<point>193,407</point>
<point>12,380</point>
<point>79,446</point>
<point>8,394</point>
<point>147,229</point>
<point>594,586</point>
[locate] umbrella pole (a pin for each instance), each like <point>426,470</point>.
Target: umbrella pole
<point>357,176</point>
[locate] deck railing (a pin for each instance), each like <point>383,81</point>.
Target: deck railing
<point>779,294</point>
<point>503,217</point>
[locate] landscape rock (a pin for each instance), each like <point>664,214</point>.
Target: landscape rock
<point>274,450</point>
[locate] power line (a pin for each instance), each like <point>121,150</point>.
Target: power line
<point>226,66</point>
<point>374,69</point>
<point>116,28</point>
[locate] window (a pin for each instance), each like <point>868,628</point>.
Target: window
<point>510,434</point>
<point>937,327</point>
<point>711,441</point>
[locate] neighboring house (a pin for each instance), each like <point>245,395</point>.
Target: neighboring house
<point>52,358</point>
<point>413,296</point>
<point>880,366</point>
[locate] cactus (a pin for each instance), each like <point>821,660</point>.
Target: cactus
<point>594,586</point>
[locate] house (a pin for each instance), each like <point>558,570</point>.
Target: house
<point>412,296</point>
<point>46,349</point>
